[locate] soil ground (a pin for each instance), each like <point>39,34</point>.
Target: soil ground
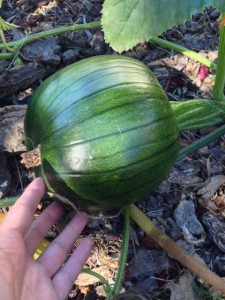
<point>195,186</point>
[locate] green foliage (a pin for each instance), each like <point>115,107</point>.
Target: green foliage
<point>128,22</point>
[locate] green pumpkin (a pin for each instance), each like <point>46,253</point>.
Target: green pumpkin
<point>106,131</point>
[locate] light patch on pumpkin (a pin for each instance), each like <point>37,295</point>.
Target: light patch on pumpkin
<point>75,159</point>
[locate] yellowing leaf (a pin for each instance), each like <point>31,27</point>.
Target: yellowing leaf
<point>5,25</point>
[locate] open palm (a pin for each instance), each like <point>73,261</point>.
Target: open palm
<point>23,278</point>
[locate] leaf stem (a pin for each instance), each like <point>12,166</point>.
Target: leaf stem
<point>175,251</point>
<point>218,89</point>
<point>189,53</point>
<point>201,142</point>
<point>123,257</point>
<point>5,44</point>
<point>106,285</point>
<point>55,31</point>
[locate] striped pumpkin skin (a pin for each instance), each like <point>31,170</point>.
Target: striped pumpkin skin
<point>106,129</point>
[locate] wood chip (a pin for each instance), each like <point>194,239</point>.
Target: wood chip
<point>211,185</point>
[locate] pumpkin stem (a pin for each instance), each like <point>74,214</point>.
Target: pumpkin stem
<point>175,251</point>
<point>32,158</point>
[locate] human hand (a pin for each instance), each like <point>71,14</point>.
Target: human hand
<point>23,278</point>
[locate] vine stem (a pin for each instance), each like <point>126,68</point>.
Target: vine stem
<point>175,251</point>
<point>55,31</point>
<point>123,256</point>
<point>106,285</point>
<point>189,53</point>
<point>6,55</point>
<point>218,89</point>
<point>97,25</point>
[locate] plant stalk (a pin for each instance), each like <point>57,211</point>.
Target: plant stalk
<point>175,251</point>
<point>106,285</point>
<point>123,257</point>
<point>6,56</point>
<point>199,113</point>
<point>218,89</point>
<point>189,53</point>
<point>55,31</point>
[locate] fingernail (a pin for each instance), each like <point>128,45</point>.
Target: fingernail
<point>81,216</point>
<point>82,213</point>
<point>39,179</point>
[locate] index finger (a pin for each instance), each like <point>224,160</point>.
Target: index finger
<point>20,216</point>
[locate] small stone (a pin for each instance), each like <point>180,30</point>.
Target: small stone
<point>51,59</point>
<point>183,178</point>
<point>70,56</point>
<point>45,51</point>
<point>149,263</point>
<point>216,229</point>
<point>185,217</point>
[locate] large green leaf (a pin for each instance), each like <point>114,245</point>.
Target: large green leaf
<point>128,22</point>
